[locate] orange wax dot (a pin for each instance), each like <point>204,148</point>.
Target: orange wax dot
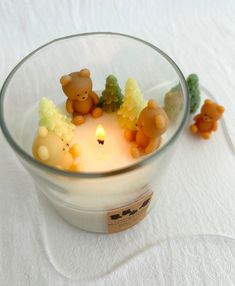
<point>75,150</point>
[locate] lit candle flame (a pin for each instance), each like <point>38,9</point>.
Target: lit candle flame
<point>100,134</point>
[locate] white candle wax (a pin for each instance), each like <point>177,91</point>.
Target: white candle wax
<point>85,202</point>
<point>113,154</point>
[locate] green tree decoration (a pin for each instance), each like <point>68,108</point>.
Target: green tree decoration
<point>112,97</point>
<point>133,104</point>
<point>174,98</point>
<point>194,92</point>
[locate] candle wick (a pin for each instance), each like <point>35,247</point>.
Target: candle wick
<point>100,141</point>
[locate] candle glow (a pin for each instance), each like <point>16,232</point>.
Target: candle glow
<point>100,134</point>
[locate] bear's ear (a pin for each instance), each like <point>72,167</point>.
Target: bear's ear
<point>43,153</point>
<point>220,108</point>
<point>152,104</point>
<point>42,131</point>
<point>160,121</point>
<point>208,102</point>
<point>84,73</point>
<point>65,79</point>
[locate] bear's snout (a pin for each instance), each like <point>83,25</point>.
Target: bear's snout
<point>82,97</point>
<point>206,118</point>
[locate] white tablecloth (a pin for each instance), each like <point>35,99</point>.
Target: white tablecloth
<point>189,238</point>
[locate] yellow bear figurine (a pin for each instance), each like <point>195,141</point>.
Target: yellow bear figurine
<point>151,124</point>
<point>50,149</point>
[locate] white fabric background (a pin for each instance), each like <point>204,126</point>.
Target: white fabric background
<point>175,245</point>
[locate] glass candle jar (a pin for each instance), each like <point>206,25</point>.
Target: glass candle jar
<point>108,201</point>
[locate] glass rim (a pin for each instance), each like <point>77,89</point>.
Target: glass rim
<point>43,167</point>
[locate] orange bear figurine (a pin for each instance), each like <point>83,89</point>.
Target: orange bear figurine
<point>152,123</point>
<point>77,86</point>
<point>206,121</point>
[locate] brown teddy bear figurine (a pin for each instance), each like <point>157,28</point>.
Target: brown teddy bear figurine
<point>206,121</point>
<point>77,86</point>
<point>151,124</point>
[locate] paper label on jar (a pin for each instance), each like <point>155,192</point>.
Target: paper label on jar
<point>125,217</point>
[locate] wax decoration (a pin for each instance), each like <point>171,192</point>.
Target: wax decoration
<point>54,120</point>
<point>50,149</point>
<point>151,124</point>
<point>173,103</point>
<point>194,92</point>
<point>175,88</point>
<point>112,97</point>
<point>133,103</point>
<point>206,120</point>
<point>143,123</point>
<point>173,100</point>
<point>81,101</point>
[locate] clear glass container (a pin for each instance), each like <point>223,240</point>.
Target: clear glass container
<point>85,199</point>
